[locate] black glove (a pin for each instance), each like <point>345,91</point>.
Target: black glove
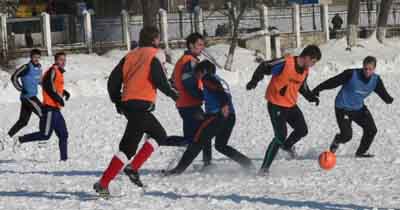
<point>199,115</point>
<point>174,95</point>
<point>314,99</point>
<point>119,108</point>
<point>315,92</point>
<point>390,101</point>
<point>251,85</point>
<point>61,102</point>
<point>66,95</point>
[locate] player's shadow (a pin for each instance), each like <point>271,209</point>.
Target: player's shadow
<point>68,173</point>
<point>266,200</point>
<point>59,195</point>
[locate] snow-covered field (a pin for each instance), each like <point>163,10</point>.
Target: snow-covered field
<point>33,178</point>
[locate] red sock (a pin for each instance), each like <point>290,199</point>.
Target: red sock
<point>116,164</point>
<point>144,153</point>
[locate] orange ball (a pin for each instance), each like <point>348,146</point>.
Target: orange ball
<point>327,160</point>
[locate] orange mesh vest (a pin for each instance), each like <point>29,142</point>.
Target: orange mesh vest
<point>136,78</point>
<point>288,79</point>
<point>185,99</point>
<point>58,83</point>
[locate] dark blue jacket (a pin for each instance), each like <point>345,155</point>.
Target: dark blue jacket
<point>216,94</point>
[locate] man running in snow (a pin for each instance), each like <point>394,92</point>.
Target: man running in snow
<point>140,73</point>
<point>52,119</point>
<point>289,77</point>
<point>218,121</point>
<point>357,84</point>
<point>190,95</point>
<point>26,79</point>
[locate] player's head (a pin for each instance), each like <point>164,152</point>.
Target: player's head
<point>204,67</point>
<point>311,55</point>
<point>195,43</point>
<point>149,36</point>
<point>369,66</point>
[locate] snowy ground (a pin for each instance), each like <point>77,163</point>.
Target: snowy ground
<point>33,177</point>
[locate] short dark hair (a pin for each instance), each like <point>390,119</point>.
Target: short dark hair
<point>313,51</point>
<point>147,36</point>
<point>35,52</point>
<point>369,60</point>
<point>57,55</point>
<point>192,39</point>
<point>205,66</point>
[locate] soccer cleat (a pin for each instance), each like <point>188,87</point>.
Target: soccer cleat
<point>1,145</point>
<point>263,172</point>
<point>103,192</point>
<point>16,144</point>
<point>291,151</point>
<point>133,176</point>
<point>364,155</point>
<point>334,146</point>
<point>169,172</point>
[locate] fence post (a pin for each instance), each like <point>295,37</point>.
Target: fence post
<point>198,20</point>
<point>296,24</point>
<point>46,33</point>
<point>87,24</point>
<point>180,11</point>
<point>125,29</point>
<point>3,36</point>
<point>266,35</point>
<point>325,20</point>
<point>276,45</point>
<point>264,17</point>
<point>164,27</point>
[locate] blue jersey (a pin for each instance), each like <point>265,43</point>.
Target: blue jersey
<point>216,94</point>
<point>30,76</point>
<point>351,96</point>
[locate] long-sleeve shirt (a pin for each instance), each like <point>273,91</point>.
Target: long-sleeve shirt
<point>346,76</point>
<point>158,78</point>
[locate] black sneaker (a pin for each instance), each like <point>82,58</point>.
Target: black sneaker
<point>334,146</point>
<point>263,172</point>
<point>169,172</point>
<point>103,192</point>
<point>364,155</point>
<point>291,151</point>
<point>207,166</point>
<point>133,176</point>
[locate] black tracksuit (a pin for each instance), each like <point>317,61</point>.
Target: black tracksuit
<point>214,125</point>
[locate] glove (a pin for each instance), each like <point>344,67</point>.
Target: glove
<point>119,108</point>
<point>174,95</point>
<point>390,101</point>
<point>314,99</point>
<point>61,102</point>
<point>315,92</point>
<point>199,116</point>
<point>66,95</point>
<point>225,111</point>
<point>251,85</point>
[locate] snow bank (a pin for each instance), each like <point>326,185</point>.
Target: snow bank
<point>87,74</point>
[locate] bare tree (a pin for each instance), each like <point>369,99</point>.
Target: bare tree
<point>150,10</point>
<point>382,20</point>
<point>236,9</point>
<point>352,22</point>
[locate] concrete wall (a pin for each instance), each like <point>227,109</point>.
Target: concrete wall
<point>19,39</point>
<point>289,40</point>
